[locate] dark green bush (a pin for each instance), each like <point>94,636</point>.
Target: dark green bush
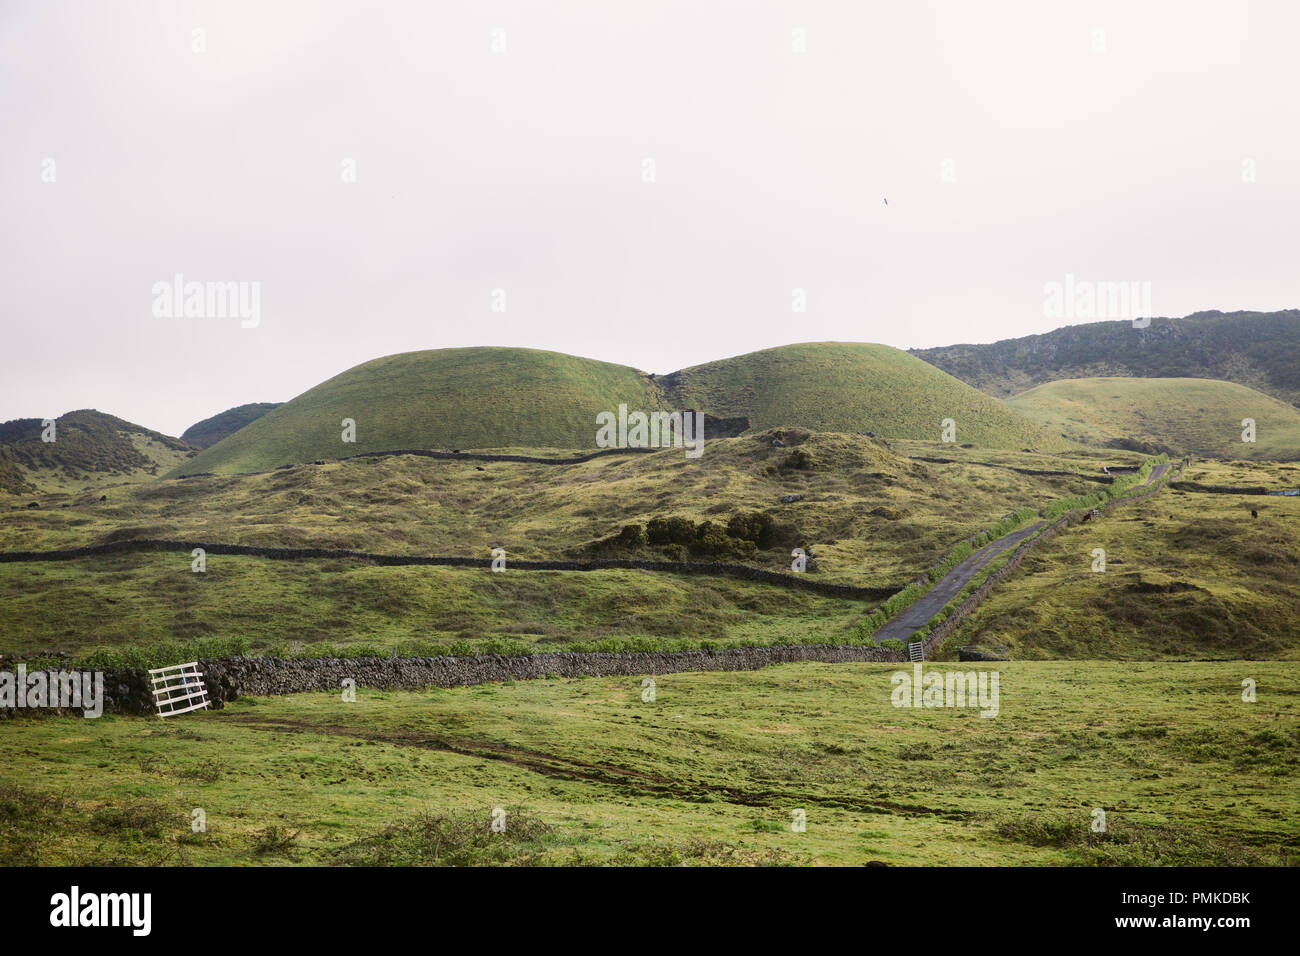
<point>799,459</point>
<point>670,531</point>
<point>755,526</point>
<point>632,535</point>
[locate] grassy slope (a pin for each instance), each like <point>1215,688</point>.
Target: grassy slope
<point>707,773</point>
<point>873,516</point>
<point>849,387</point>
<point>1182,415</point>
<point>1188,575</point>
<point>446,398</point>
<point>150,602</point>
<point>1257,349</point>
<point>91,450</point>
<point>208,432</point>
<point>870,516</point>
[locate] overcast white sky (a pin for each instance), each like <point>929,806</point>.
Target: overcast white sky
<point>523,170</point>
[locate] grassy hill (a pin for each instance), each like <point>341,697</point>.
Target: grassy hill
<point>847,387</point>
<point>1257,349</point>
<point>445,398</point>
<point>480,398</point>
<point>208,432</point>
<point>1180,415</point>
<point>90,447</point>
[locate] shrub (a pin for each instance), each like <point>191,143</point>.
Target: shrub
<point>710,540</point>
<point>452,839</point>
<point>632,535</point>
<point>670,531</point>
<point>755,526</point>
<point>799,459</point>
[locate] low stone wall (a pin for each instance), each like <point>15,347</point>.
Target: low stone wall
<point>136,545</point>
<point>713,427</point>
<point>229,678</point>
<point>1218,489</point>
<point>1037,472</point>
<point>484,456</point>
<point>127,691</point>
<point>444,455</point>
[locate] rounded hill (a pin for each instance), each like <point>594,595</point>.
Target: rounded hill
<point>848,387</point>
<point>88,448</point>
<point>1195,416</point>
<point>480,398</point>
<point>208,432</point>
<point>441,399</point>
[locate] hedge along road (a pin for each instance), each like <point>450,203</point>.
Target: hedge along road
<point>908,621</point>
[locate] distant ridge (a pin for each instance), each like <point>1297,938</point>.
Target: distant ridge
<point>208,432</point>
<point>1260,350</point>
<point>89,447</point>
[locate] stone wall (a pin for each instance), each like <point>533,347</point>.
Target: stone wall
<point>229,678</point>
<point>127,691</point>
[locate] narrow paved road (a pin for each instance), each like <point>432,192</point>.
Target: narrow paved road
<point>1157,473</point>
<point>904,625</point>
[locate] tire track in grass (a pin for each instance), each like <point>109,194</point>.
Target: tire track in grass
<point>604,774</point>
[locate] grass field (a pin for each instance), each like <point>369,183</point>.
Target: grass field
<point>709,772</point>
<point>1180,415</point>
<point>1188,575</point>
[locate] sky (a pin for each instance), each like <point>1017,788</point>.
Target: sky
<point>656,184</point>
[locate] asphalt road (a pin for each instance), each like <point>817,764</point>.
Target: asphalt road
<point>902,626</point>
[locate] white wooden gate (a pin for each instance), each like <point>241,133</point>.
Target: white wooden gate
<point>178,689</point>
